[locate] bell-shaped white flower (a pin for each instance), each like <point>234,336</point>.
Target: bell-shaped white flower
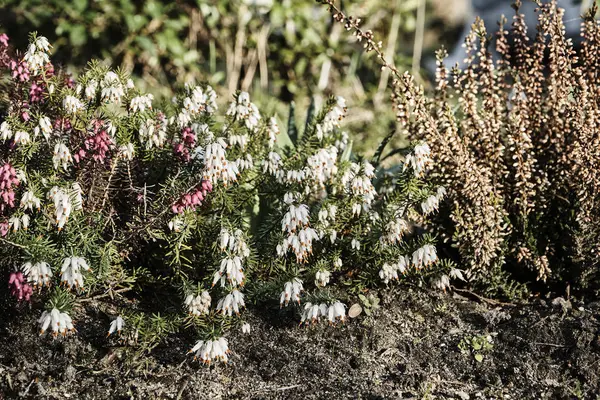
<point>71,271</point>
<point>199,304</point>
<point>231,303</point>
<point>211,350</point>
<point>60,322</point>
<point>291,292</point>
<point>38,273</point>
<point>116,325</point>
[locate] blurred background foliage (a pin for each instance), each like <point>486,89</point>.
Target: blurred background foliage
<point>280,51</point>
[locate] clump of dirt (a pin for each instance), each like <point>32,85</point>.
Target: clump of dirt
<point>419,344</point>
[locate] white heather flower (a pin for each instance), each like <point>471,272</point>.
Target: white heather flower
<point>211,350</point>
<point>116,325</point>
<point>15,223</point>
<point>430,205</point>
<point>239,140</point>
<point>25,221</point>
<point>246,328</point>
<point>323,165</point>
<point>357,179</point>
<point>273,131</point>
<point>62,205</point>
<point>199,101</point>
<point>60,322</point>
<point>456,273</point>
<point>129,84</point>
<point>332,118</point>
<point>338,263</point>
<point>5,131</point>
<point>336,312</point>
<point>230,271</point>
<point>295,176</point>
<point>243,109</point>
<point>333,236</point>
<point>71,271</point>
<point>424,256</point>
<point>22,137</point>
<point>153,134</point>
<point>291,292</point>
<point>62,156</point>
<point>44,127</point>
<point>29,201</point>
<point>442,283</point>
<point>72,104</point>
<point>441,193</point>
<point>296,217</point>
<point>272,166</point>
<point>388,272</point>
<point>127,151</point>
<point>244,163</point>
<point>176,224</point>
<point>312,312</point>
<point>355,244</point>
<point>36,56</point>
<point>112,88</point>
<point>216,165</point>
<point>419,160</point>
<point>141,103</point>
<point>322,277</point>
<point>91,89</point>
<point>38,274</point>
<point>199,304</point>
<point>300,242</point>
<point>231,303</point>
<point>394,230</point>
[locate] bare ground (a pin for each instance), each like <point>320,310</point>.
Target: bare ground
<point>418,345</point>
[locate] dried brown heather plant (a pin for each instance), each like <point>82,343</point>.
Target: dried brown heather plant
<point>517,143</point>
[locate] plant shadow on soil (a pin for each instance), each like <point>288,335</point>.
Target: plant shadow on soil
<point>419,344</point>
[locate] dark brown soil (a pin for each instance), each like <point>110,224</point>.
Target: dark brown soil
<point>410,349</point>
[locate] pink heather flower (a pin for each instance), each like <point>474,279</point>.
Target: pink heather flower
<point>18,287</point>
<point>62,124</point>
<point>4,228</point>
<point>190,201</point>
<point>35,92</point>
<point>69,82</point>
<point>8,181</point>
<point>188,141</point>
<point>4,39</point>
<point>49,70</point>
<point>97,145</point>
<point>20,70</point>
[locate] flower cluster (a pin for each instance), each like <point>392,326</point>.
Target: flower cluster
<point>20,289</point>
<point>291,292</point>
<point>60,322</point>
<point>333,312</point>
<point>420,159</point>
<point>188,142</point>
<point>71,271</point>
<point>303,216</point>
<point>38,273</point>
<point>193,199</point>
<point>37,55</point>
<point>231,303</point>
<point>243,110</point>
<point>233,245</point>
<point>98,145</point>
<point>211,350</point>
<point>199,304</point>
<point>8,183</point>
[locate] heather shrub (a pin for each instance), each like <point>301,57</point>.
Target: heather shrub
<point>175,217</point>
<point>514,142</point>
